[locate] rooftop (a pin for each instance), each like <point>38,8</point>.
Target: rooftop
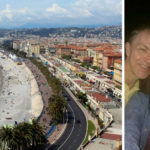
<point>99,97</point>
<point>110,136</point>
<point>119,61</point>
<point>63,69</point>
<point>100,77</point>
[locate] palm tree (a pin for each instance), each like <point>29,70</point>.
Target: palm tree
<point>23,136</point>
<point>37,134</point>
<point>5,136</point>
<point>56,107</point>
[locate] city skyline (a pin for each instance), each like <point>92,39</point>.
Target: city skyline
<point>31,13</point>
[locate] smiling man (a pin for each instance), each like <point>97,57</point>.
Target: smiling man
<point>137,63</point>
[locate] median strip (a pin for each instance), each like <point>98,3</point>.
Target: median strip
<point>90,131</point>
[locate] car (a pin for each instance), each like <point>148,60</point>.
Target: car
<point>77,121</point>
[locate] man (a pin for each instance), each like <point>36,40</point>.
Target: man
<point>137,63</point>
<point>137,123</point>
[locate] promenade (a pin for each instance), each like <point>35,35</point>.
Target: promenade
<point>46,93</point>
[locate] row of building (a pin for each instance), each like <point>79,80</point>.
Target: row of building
<point>96,99</point>
<point>101,55</point>
<point>106,56</point>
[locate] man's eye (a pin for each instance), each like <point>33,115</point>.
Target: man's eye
<point>142,49</point>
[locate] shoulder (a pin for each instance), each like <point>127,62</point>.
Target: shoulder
<point>138,99</point>
<point>137,106</point>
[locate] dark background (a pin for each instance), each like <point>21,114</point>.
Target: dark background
<point>137,12</point>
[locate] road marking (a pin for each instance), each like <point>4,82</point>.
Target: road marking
<point>67,117</point>
<point>71,130</point>
<point>61,135</point>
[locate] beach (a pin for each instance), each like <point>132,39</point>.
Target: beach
<point>20,99</point>
<point>1,79</point>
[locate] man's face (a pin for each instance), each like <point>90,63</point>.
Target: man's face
<point>138,54</point>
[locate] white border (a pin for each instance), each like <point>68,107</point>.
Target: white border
<point>123,72</point>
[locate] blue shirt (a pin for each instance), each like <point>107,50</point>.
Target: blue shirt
<point>137,122</point>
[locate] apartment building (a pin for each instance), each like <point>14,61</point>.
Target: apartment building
<point>118,72</point>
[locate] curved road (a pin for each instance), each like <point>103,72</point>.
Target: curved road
<point>75,130</point>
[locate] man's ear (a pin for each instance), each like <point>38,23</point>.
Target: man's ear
<point>128,48</point>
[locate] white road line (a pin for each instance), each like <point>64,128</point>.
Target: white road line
<point>71,130</point>
<point>60,136</point>
<point>67,117</point>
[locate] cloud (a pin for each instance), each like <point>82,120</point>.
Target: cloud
<point>10,13</point>
<point>100,7</point>
<point>78,13</point>
<point>72,12</point>
<point>29,18</point>
<point>6,12</point>
<point>56,9</point>
<point>22,11</point>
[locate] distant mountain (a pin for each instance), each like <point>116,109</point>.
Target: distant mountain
<point>74,32</point>
<point>38,25</point>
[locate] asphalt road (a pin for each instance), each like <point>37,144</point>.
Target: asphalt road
<point>75,130</point>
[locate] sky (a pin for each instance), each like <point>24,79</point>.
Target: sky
<point>16,13</point>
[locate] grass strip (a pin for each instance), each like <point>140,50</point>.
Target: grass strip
<point>90,131</point>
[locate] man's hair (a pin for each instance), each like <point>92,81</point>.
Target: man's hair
<point>133,27</point>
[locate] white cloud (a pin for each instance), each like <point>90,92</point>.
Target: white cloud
<point>7,12</point>
<point>103,7</point>
<point>71,11</point>
<point>29,18</point>
<point>22,11</point>
<point>10,13</point>
<point>77,13</point>
<point>9,16</point>
<point>56,9</point>
<point>7,9</point>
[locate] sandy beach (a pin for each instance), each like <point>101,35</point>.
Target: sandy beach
<point>1,79</point>
<point>20,98</point>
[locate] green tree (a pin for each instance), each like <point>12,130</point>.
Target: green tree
<point>23,136</point>
<point>22,54</point>
<point>87,65</point>
<point>82,97</point>
<point>52,81</point>
<point>57,104</point>
<point>5,136</point>
<point>67,57</point>
<point>76,60</point>
<point>38,137</point>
